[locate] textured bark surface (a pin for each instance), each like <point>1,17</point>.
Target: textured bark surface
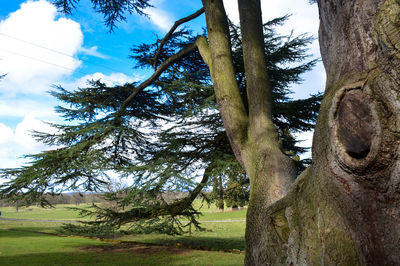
<point>252,134</point>
<point>345,209</point>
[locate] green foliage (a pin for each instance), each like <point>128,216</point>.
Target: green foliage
<point>237,191</point>
<point>165,138</point>
<point>113,10</point>
<point>85,230</point>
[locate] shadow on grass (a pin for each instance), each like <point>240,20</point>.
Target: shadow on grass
<point>196,242</point>
<point>15,233</point>
<point>122,258</point>
<point>26,232</point>
<point>53,250</point>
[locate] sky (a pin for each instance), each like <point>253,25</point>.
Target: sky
<point>40,48</point>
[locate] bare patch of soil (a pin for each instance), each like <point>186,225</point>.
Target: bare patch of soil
<point>137,248</point>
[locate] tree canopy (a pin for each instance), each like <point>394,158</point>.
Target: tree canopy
<point>163,137</point>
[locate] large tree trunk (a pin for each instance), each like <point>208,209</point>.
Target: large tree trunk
<point>252,134</point>
<point>345,208</point>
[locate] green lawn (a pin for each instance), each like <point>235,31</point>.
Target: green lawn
<point>21,242</point>
<point>217,236</point>
<point>63,212</point>
<point>30,248</point>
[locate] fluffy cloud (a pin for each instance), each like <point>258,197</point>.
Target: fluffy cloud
<point>110,80</point>
<point>37,48</point>
<point>16,143</point>
<point>160,18</point>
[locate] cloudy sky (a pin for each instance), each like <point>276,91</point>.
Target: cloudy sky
<point>40,47</point>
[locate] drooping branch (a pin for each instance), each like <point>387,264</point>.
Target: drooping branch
<point>176,208</point>
<point>172,30</point>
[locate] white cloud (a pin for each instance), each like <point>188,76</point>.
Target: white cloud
<point>37,48</point>
<point>110,80</point>
<point>16,143</point>
<point>160,18</point>
<point>6,134</point>
<point>23,133</point>
<point>93,52</point>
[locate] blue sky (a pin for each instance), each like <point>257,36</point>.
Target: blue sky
<point>40,47</point>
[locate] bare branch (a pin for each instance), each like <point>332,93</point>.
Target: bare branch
<point>174,27</point>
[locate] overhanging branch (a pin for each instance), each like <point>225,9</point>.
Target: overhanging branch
<point>176,208</point>
<point>169,34</point>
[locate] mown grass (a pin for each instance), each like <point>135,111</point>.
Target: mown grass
<point>216,236</point>
<point>21,244</point>
<point>60,212</point>
<point>30,248</point>
<point>64,212</point>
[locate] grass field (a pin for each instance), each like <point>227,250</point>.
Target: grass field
<point>36,243</point>
<point>63,212</point>
<point>31,248</point>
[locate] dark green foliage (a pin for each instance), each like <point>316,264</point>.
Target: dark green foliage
<point>237,192</point>
<point>114,11</point>
<point>168,136</point>
<point>86,230</point>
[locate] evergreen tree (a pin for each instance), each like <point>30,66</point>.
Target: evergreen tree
<point>189,91</point>
<point>134,143</point>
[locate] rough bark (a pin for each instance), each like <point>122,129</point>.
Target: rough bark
<point>345,208</point>
<point>252,134</point>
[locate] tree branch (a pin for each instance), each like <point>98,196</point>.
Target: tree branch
<point>204,50</point>
<point>172,59</point>
<point>174,27</point>
<point>175,208</point>
<point>257,80</point>
<point>218,56</point>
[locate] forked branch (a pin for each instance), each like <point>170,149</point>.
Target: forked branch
<point>171,31</point>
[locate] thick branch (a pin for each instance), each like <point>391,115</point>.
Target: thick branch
<point>176,208</point>
<point>257,80</point>
<point>174,27</point>
<point>219,57</point>
<point>204,50</point>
